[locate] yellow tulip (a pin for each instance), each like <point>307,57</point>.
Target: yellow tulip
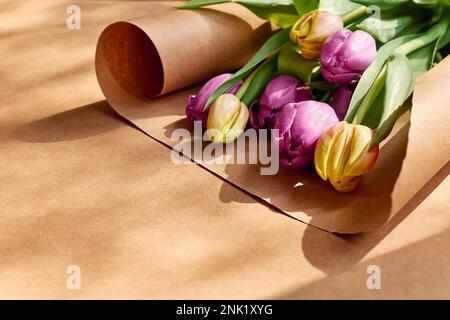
<point>312,29</point>
<point>343,155</point>
<point>227,118</point>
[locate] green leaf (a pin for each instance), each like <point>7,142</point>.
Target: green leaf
<point>422,59</point>
<point>445,37</point>
<point>338,7</point>
<point>393,23</point>
<point>279,12</point>
<point>291,62</point>
<point>270,47</point>
<point>192,4</point>
<point>383,4</point>
<point>399,86</point>
<point>259,80</point>
<point>372,73</point>
<point>373,116</point>
<point>322,86</point>
<point>435,33</point>
<point>426,2</point>
<point>304,6</point>
<point>371,96</point>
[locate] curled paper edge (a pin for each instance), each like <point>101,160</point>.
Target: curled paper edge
<point>162,53</point>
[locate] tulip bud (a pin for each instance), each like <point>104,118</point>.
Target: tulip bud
<point>300,126</point>
<point>346,54</point>
<point>227,118</point>
<point>341,100</point>
<point>343,155</point>
<point>196,103</point>
<point>312,29</point>
<point>279,92</point>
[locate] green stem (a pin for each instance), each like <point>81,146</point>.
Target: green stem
<point>292,63</point>
<point>438,57</point>
<point>354,15</point>
<point>326,97</point>
<point>240,93</point>
<point>371,96</point>
<point>246,85</point>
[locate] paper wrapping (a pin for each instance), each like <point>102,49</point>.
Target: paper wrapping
<point>178,48</point>
<point>81,187</point>
<point>414,152</point>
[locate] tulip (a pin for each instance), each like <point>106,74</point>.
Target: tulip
<point>196,103</point>
<point>312,29</point>
<point>279,92</point>
<point>227,118</point>
<point>343,155</point>
<point>346,54</point>
<point>341,100</point>
<point>300,126</point>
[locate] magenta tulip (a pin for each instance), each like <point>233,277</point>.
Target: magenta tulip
<point>300,125</point>
<point>341,100</point>
<point>279,92</point>
<point>196,103</point>
<point>346,54</point>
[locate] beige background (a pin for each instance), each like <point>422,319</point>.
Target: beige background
<point>79,185</point>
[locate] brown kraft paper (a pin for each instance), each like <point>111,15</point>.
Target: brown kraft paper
<point>416,150</point>
<point>179,47</point>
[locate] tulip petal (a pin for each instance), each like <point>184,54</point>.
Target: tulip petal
<point>333,45</point>
<point>279,91</point>
<point>362,136</point>
<point>361,159</point>
<point>341,100</point>
<point>359,51</point>
<point>285,118</point>
<point>253,115</point>
<point>238,126</point>
<point>324,147</point>
<point>346,54</point>
<point>302,94</point>
<point>222,114</point>
<point>196,103</point>
<point>295,163</point>
<point>265,117</point>
<point>324,24</point>
<point>347,184</point>
<point>343,155</point>
<point>340,153</point>
<point>190,107</point>
<point>283,122</point>
<point>341,78</point>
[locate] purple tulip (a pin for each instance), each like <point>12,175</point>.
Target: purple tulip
<point>345,55</point>
<point>341,99</point>
<point>300,126</point>
<point>197,102</point>
<point>279,92</point>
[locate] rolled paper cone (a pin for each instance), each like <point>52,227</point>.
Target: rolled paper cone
<point>157,54</point>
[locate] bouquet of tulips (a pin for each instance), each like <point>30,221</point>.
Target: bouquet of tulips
<point>332,80</point>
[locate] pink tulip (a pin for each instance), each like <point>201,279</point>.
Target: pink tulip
<point>196,103</point>
<point>346,54</point>
<point>279,92</point>
<point>299,126</point>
